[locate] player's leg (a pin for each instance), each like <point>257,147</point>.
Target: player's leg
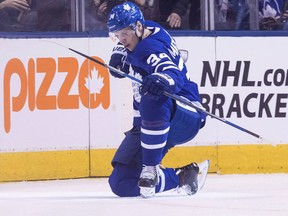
<point>127,164</point>
<point>127,167</point>
<point>156,116</point>
<point>124,180</point>
<point>184,126</point>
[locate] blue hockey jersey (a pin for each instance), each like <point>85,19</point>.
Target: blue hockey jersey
<point>159,53</point>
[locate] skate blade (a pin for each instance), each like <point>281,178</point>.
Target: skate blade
<point>147,192</point>
<point>203,171</point>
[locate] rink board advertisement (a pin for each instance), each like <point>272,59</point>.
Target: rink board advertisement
<point>63,116</point>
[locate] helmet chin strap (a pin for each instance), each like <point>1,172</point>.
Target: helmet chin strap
<point>140,37</point>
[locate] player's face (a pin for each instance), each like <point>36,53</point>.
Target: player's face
<point>127,37</point>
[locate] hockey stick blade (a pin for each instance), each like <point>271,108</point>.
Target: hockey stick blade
<point>173,96</point>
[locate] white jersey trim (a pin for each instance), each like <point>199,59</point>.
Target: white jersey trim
<point>155,132</point>
<point>153,146</point>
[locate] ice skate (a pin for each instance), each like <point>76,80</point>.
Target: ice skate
<point>192,176</point>
<point>188,178</point>
<point>148,180</point>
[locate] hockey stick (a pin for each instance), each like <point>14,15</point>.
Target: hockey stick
<point>173,96</point>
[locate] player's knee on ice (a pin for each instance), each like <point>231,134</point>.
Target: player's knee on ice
<point>123,181</point>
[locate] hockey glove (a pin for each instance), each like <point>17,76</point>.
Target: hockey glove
<point>154,85</point>
<point>118,60</point>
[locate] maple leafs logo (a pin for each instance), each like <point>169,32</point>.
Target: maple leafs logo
<point>138,76</point>
<point>136,87</point>
<point>126,7</point>
<point>96,82</point>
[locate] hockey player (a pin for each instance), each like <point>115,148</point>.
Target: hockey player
<point>159,122</point>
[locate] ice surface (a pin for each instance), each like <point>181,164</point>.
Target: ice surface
<point>233,195</point>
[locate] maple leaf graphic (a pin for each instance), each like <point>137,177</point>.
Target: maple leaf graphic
<point>96,82</point>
